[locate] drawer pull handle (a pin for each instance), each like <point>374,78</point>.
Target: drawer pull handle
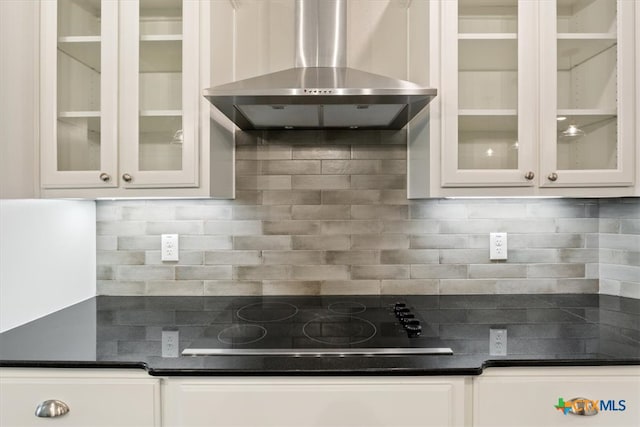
<point>51,408</point>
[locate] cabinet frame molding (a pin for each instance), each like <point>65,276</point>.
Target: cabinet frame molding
<point>623,174</point>
<point>526,112</point>
<point>537,39</point>
<point>130,100</point>
<point>51,177</point>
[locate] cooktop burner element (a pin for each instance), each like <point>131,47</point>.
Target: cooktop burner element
<point>332,326</point>
<point>242,334</point>
<point>347,307</point>
<point>339,330</point>
<point>266,312</point>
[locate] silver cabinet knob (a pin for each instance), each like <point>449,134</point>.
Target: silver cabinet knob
<point>127,177</point>
<point>529,176</point>
<point>52,408</point>
<point>105,177</point>
<point>552,176</point>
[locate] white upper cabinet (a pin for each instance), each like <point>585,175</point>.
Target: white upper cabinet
<point>121,110</point>
<point>586,98</point>
<point>488,92</point>
<point>536,94</point>
<point>160,93</point>
<point>79,93</point>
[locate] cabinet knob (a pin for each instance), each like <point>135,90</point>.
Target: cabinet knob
<point>105,177</point>
<point>529,176</point>
<point>127,178</point>
<point>552,176</point>
<point>51,408</point>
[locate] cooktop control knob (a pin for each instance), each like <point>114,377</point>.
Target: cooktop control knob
<point>413,330</point>
<point>398,306</point>
<point>410,322</point>
<point>402,312</point>
<point>407,318</point>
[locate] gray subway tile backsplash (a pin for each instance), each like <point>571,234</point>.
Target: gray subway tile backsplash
<point>320,213</point>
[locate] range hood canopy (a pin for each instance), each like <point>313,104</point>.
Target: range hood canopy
<point>320,92</point>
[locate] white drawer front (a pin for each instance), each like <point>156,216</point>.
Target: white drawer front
<point>317,402</point>
<point>93,401</point>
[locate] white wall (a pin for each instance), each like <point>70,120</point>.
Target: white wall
<point>47,257</point>
<point>19,36</point>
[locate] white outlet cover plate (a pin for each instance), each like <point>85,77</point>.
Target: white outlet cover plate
<point>170,343</point>
<point>497,342</point>
<point>169,247</point>
<point>497,246</point>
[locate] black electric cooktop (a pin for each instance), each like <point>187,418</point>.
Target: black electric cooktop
<point>275,335</point>
<point>317,327</point>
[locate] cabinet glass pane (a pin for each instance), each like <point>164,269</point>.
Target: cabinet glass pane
<point>587,85</point>
<point>488,74</point>
<point>487,16</point>
<point>78,85</point>
<point>487,103</point>
<point>587,142</point>
<point>160,143</point>
<point>586,16</point>
<point>160,83</point>
<point>487,142</point>
<point>78,18</point>
<point>78,143</point>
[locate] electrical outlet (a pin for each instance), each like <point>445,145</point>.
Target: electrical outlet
<point>170,249</point>
<point>497,246</point>
<point>170,342</point>
<point>498,342</point>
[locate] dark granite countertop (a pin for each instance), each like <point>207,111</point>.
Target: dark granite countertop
<point>543,330</point>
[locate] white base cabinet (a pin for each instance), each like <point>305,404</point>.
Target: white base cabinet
<point>297,402</point>
<point>499,397</point>
<point>100,397</point>
<point>530,396</point>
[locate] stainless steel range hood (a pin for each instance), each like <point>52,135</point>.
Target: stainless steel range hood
<point>320,92</point>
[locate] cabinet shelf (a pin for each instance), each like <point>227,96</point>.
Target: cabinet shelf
<point>78,114</point>
<point>84,49</point>
<point>487,36</point>
<point>161,113</point>
<point>585,118</point>
<point>161,37</point>
<point>79,39</point>
<point>488,112</point>
<point>576,49</point>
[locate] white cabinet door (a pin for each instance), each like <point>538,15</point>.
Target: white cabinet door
<point>370,401</point>
<point>95,398</point>
<point>489,93</point>
<point>159,93</point>
<point>120,97</point>
<point>78,99</point>
<point>537,94</point>
<point>537,397</point>
<point>587,93</point>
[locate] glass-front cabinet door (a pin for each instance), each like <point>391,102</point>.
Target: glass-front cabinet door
<point>159,93</point>
<point>587,89</point>
<point>78,84</point>
<point>488,93</point>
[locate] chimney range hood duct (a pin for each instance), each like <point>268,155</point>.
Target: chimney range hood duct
<point>320,92</point>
